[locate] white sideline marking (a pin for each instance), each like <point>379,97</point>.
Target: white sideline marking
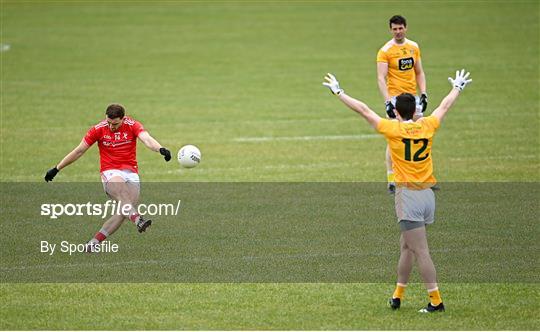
<point>57,266</point>
<point>194,259</point>
<point>520,157</point>
<point>244,258</point>
<point>268,167</point>
<point>304,138</point>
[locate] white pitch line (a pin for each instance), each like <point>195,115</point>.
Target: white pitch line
<point>195,259</point>
<point>210,259</point>
<point>305,138</point>
<point>519,157</point>
<point>271,167</point>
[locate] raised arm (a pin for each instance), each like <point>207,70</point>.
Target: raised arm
<point>356,105</point>
<point>73,155</point>
<point>68,159</point>
<point>458,84</point>
<point>154,145</point>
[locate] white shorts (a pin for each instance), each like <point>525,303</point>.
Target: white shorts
<point>126,174</point>
<point>415,205</point>
<point>418,113</point>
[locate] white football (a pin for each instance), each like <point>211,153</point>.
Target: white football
<point>189,156</point>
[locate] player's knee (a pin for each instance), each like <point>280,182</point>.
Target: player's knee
<point>421,252</point>
<point>403,246</point>
<point>418,248</point>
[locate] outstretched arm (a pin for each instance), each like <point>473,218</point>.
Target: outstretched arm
<point>356,105</point>
<point>68,159</point>
<point>360,108</point>
<point>149,141</point>
<point>73,155</point>
<point>459,83</point>
<point>154,145</point>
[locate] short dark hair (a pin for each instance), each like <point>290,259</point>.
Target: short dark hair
<point>397,19</point>
<point>115,111</point>
<point>406,105</point>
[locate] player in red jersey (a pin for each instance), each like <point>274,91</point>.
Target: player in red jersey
<point>117,141</point>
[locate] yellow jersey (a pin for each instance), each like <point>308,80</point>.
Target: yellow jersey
<point>410,147</point>
<point>401,59</point>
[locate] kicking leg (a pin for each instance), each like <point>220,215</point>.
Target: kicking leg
<point>127,194</point>
<point>113,223</point>
<point>108,228</point>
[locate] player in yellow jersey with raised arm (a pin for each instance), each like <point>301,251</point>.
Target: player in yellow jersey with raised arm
<point>399,70</point>
<point>410,143</point>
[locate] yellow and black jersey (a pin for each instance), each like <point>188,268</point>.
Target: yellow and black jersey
<point>410,147</point>
<point>401,60</point>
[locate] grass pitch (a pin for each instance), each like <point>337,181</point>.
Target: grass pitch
<point>260,307</point>
<point>242,80</point>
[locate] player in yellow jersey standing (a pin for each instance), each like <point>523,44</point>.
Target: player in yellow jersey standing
<point>410,143</point>
<point>399,70</point>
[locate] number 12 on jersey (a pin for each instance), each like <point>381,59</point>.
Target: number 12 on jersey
<point>413,143</point>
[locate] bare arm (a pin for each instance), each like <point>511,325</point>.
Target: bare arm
<point>154,145</point>
<point>420,77</point>
<point>149,141</point>
<point>360,108</point>
<point>445,105</point>
<point>73,155</point>
<point>382,72</point>
<point>459,83</point>
<point>356,105</point>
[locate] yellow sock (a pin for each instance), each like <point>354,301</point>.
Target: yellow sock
<point>390,177</point>
<point>399,292</point>
<point>435,296</point>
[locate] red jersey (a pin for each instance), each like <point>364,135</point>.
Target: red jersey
<point>118,149</point>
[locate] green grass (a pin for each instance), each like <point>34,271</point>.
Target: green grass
<point>209,73</point>
<point>261,307</point>
<point>273,232</point>
<point>215,73</point>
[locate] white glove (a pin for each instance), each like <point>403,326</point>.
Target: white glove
<point>332,84</point>
<point>461,80</point>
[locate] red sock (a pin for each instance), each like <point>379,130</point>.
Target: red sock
<point>134,217</point>
<point>101,235</point>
